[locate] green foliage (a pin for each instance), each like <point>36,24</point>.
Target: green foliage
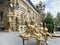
<point>50,28</point>
<point>49,22</point>
<point>49,19</point>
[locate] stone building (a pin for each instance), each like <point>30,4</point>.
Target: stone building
<point>14,13</point>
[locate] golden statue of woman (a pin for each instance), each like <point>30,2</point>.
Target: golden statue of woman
<point>26,34</point>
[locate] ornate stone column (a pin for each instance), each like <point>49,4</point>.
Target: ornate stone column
<point>18,22</point>
<point>19,26</point>
<point>9,21</point>
<point>16,14</point>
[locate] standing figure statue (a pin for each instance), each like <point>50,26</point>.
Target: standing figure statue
<point>46,33</point>
<point>40,30</point>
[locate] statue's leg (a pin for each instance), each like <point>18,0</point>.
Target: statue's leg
<point>28,42</point>
<point>23,41</point>
<point>46,40</point>
<point>38,42</point>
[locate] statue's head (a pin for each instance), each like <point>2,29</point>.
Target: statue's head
<point>41,24</point>
<point>44,24</point>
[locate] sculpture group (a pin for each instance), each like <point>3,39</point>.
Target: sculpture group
<point>35,31</point>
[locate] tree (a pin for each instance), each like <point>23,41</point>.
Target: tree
<point>49,22</point>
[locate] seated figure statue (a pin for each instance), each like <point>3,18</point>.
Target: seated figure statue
<point>34,31</point>
<point>37,34</point>
<point>25,34</point>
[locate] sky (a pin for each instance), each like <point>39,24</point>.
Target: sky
<point>52,6</point>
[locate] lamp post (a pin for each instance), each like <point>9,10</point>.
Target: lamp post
<point>54,31</point>
<point>42,8</point>
<point>43,14</point>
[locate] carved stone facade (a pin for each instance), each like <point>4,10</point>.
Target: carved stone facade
<point>15,13</point>
<point>3,13</point>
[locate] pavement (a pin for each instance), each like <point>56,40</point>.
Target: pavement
<point>7,38</point>
<point>55,40</point>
